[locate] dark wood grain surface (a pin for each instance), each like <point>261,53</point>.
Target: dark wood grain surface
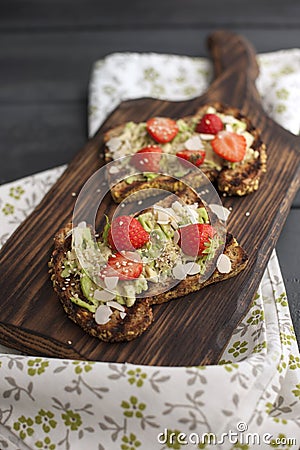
<point>201,323</point>
<point>47,50</point>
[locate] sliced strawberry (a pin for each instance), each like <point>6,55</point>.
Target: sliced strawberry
<point>230,146</point>
<point>162,129</point>
<point>196,157</point>
<point>192,238</point>
<point>126,233</point>
<point>210,124</point>
<point>125,266</point>
<point>149,158</point>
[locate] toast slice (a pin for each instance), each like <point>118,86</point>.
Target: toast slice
<point>129,317</point>
<point>239,178</point>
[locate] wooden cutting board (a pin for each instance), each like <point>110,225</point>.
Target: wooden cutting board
<point>191,331</point>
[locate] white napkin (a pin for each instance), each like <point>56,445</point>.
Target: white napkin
<point>50,403</point>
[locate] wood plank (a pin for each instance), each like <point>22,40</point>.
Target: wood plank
<point>39,136</point>
<point>56,66</point>
<point>86,14</point>
<point>219,308</point>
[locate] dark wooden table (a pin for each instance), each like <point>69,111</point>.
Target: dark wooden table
<point>47,50</point>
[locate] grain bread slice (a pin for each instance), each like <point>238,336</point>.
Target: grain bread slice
<point>233,179</point>
<point>139,316</point>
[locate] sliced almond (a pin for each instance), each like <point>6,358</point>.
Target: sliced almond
<point>193,143</point>
<point>114,170</point>
<point>111,282</point>
<point>229,127</point>
<point>102,314</point>
<point>114,144</point>
<point>192,268</point>
<point>103,295</point>
<point>162,217</point>
<point>116,305</point>
<point>179,272</point>
<point>223,264</point>
<point>221,212</point>
<point>82,224</point>
<point>206,137</point>
<point>192,213</point>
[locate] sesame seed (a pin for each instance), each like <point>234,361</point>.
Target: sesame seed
<point>230,208</point>
<point>63,288</point>
<point>74,194</point>
<point>69,342</point>
<point>140,202</point>
<point>121,223</point>
<point>98,190</point>
<point>247,214</point>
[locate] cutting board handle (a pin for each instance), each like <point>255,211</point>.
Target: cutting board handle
<point>231,52</point>
<point>235,70</point>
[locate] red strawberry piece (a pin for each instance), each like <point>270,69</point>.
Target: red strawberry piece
<point>147,159</point>
<point>162,129</point>
<point>126,233</point>
<point>192,238</point>
<point>125,266</point>
<point>196,157</point>
<point>210,124</point>
<point>230,146</point>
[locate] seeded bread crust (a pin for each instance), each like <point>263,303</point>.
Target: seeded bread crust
<point>140,316</point>
<point>240,181</point>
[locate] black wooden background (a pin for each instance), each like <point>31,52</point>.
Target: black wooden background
<point>47,49</point>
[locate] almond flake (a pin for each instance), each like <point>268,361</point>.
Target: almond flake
<point>207,137</point>
<point>192,213</point>
<point>102,314</point>
<point>179,272</point>
<point>111,282</point>
<point>223,264</point>
<point>113,169</point>
<point>103,295</point>
<point>193,143</point>
<point>221,212</point>
<point>192,268</point>
<point>114,144</point>
<point>116,305</point>
<point>229,127</point>
<point>81,225</point>
<point>163,218</point>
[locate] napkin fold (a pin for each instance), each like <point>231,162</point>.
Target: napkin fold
<point>249,401</point>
